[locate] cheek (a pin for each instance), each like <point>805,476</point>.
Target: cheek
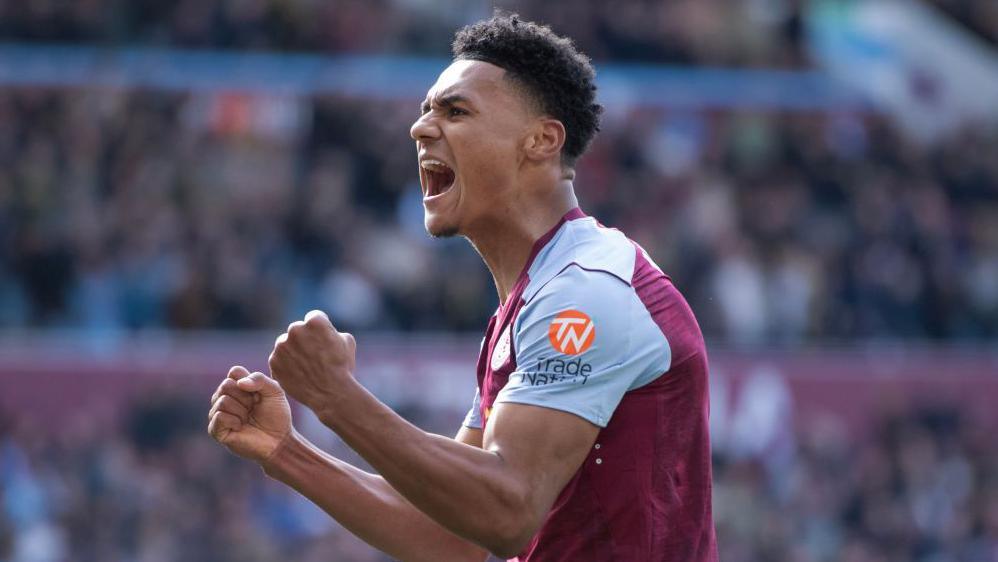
<point>491,164</point>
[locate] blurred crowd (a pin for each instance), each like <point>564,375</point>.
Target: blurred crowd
<point>153,488</point>
<point>979,16</point>
<point>707,32</point>
<point>751,33</point>
<point>128,210</point>
<point>133,210</point>
<point>920,486</point>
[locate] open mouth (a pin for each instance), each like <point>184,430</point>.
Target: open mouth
<point>439,177</point>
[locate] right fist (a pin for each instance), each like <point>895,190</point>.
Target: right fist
<point>249,414</point>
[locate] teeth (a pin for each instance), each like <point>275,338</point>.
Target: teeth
<point>434,165</point>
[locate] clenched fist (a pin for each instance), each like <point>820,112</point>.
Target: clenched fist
<point>313,361</point>
<point>249,414</point>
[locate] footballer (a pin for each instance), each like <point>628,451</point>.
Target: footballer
<point>587,439</point>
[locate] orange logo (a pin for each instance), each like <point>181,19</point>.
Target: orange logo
<point>571,332</point>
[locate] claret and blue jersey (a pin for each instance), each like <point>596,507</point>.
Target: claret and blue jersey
<point>594,328</point>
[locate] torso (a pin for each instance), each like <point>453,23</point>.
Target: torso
<point>644,492</point>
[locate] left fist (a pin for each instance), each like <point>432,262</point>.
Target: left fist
<point>312,361</point>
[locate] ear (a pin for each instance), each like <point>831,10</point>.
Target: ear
<point>545,140</point>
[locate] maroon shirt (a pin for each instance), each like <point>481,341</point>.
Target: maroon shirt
<point>644,491</point>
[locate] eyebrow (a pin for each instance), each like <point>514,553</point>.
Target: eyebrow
<point>445,101</point>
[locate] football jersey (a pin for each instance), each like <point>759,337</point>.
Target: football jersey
<point>594,328</point>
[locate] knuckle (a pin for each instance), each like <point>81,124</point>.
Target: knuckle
<point>316,318</point>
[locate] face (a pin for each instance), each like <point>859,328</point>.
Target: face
<point>469,140</point>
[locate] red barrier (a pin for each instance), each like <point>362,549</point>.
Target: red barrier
<point>54,380</point>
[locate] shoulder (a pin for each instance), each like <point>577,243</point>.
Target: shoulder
<point>595,290</point>
<point>578,311</point>
<point>582,251</point>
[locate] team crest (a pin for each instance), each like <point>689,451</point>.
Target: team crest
<point>501,351</point>
<point>572,332</point>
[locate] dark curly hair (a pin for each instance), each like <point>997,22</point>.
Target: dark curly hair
<point>548,67</point>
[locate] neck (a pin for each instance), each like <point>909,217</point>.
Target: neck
<point>507,238</point>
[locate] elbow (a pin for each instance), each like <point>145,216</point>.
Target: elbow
<point>509,543</point>
<point>508,552</point>
<point>513,528</point>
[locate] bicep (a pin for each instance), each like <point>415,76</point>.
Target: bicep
<point>542,447</point>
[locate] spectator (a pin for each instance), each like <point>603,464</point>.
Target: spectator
<point>919,485</point>
<point>145,210</point>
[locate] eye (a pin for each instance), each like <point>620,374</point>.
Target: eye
<point>455,112</point>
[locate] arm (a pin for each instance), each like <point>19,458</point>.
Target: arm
<point>537,436</point>
<point>251,417</point>
<point>496,497</point>
<point>366,505</point>
<point>469,436</point>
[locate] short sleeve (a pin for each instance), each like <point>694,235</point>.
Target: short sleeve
<point>474,417</point>
<point>572,343</point>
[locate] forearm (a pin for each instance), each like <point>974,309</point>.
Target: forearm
<point>366,505</point>
<point>468,490</point>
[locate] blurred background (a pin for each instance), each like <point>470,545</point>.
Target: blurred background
<point>179,179</point>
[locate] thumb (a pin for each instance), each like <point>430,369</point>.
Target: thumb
<point>259,382</point>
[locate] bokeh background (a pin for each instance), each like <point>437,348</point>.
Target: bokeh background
<point>179,179</point>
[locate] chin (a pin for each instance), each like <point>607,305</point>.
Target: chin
<point>440,229</point>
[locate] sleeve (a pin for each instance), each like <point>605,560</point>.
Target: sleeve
<point>474,417</point>
<point>572,342</point>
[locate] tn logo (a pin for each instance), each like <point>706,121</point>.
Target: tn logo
<point>571,332</point>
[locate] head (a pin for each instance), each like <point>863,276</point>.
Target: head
<point>505,121</point>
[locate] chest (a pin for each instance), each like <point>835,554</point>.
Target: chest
<point>497,360</point>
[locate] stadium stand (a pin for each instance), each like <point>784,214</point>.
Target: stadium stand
<point>130,213</point>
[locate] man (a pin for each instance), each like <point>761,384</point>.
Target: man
<point>588,436</point>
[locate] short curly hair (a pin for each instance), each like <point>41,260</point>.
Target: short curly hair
<point>549,68</point>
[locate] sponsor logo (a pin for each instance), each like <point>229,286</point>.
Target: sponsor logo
<point>500,353</point>
<point>552,370</point>
<point>571,332</point>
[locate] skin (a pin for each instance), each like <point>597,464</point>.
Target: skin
<point>434,498</point>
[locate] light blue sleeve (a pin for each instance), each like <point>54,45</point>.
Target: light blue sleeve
<point>474,417</point>
<point>590,383</point>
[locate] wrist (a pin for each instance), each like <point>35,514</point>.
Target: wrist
<point>336,406</point>
<point>275,462</point>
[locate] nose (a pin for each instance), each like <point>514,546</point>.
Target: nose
<point>424,129</point>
